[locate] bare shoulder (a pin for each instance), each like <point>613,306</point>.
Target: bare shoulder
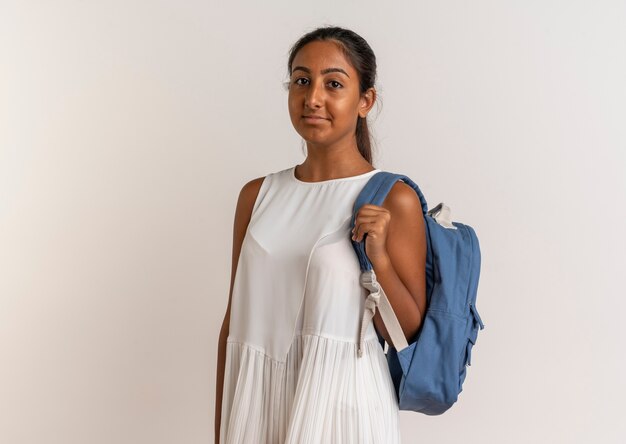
<point>245,204</point>
<point>402,198</point>
<point>249,193</point>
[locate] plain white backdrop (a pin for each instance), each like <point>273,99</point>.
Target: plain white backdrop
<point>127,129</point>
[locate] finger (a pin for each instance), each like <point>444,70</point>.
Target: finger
<point>359,221</point>
<point>363,219</point>
<point>369,228</point>
<point>371,209</point>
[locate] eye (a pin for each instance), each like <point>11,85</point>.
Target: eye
<point>336,82</point>
<point>298,79</point>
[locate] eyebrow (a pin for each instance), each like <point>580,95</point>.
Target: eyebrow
<point>323,71</point>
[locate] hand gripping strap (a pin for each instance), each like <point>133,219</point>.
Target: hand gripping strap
<point>374,192</point>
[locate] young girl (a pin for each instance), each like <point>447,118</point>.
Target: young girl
<point>288,368</point>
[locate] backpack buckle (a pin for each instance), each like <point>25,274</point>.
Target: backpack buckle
<point>442,215</point>
<point>368,280</point>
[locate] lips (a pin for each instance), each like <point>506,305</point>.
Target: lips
<point>313,120</point>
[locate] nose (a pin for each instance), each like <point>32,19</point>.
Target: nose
<point>314,96</point>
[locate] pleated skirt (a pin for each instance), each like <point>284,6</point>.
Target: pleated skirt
<point>323,394</point>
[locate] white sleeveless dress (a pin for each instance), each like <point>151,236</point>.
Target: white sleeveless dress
<point>292,373</point>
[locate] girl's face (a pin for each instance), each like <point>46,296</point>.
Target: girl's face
<point>325,85</point>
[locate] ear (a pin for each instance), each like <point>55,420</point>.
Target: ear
<point>368,98</point>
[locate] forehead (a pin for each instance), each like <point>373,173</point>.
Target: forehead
<point>318,55</point>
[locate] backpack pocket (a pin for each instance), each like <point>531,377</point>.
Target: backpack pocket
<point>466,360</point>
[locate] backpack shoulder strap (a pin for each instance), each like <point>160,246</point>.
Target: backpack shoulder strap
<point>375,192</point>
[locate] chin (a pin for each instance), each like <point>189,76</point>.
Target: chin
<point>314,138</point>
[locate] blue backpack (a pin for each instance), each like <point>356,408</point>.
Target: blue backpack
<point>429,373</point>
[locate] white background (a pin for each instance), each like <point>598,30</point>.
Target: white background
<point>127,129</point>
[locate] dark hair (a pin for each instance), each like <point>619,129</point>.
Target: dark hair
<point>363,60</point>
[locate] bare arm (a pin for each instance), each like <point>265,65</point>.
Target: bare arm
<point>402,273</point>
<point>243,212</point>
